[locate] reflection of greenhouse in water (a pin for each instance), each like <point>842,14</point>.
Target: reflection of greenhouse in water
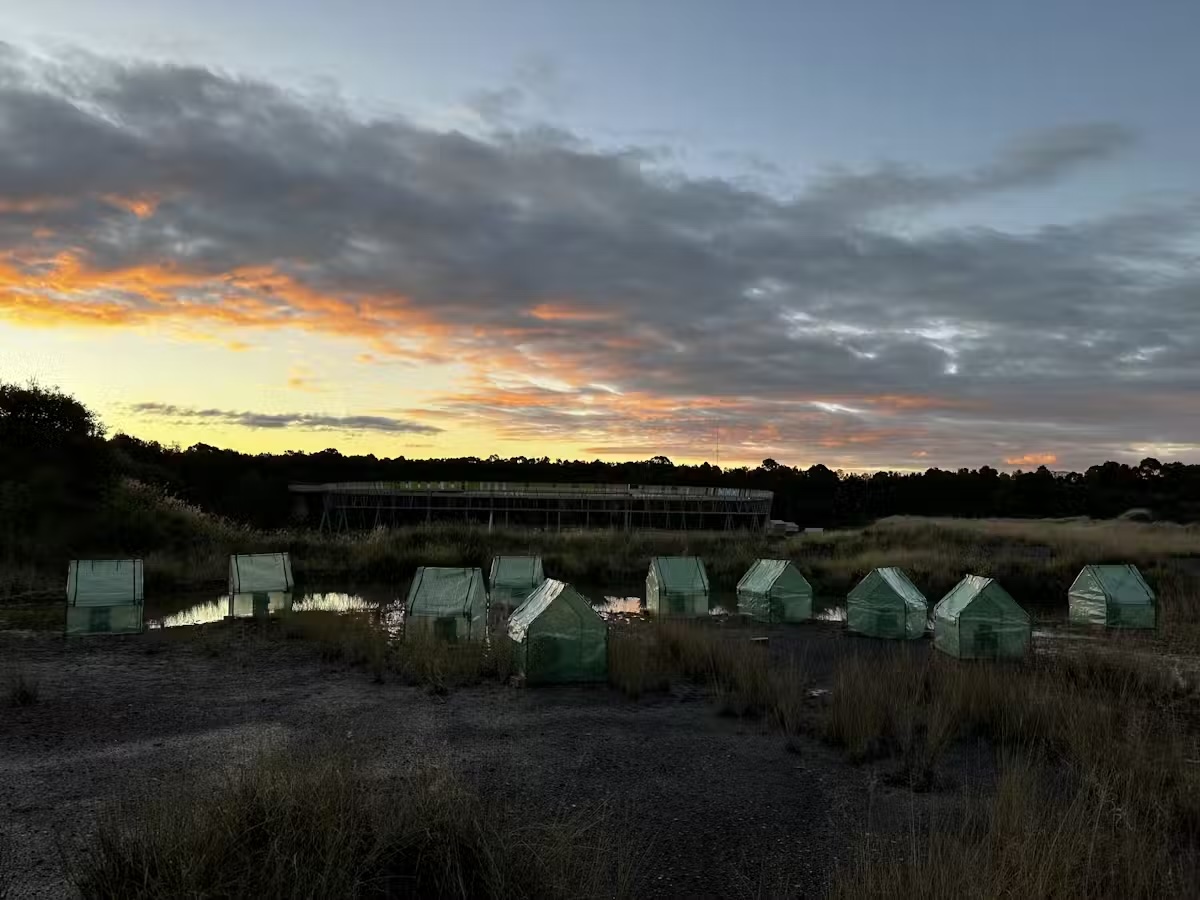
<point>347,506</point>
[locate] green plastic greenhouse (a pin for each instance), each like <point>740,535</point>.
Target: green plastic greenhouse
<point>886,604</point>
<point>104,596</point>
<point>559,638</point>
<point>1113,596</point>
<point>254,573</point>
<point>514,578</point>
<point>773,590</point>
<point>979,620</point>
<point>677,586</point>
<point>450,604</point>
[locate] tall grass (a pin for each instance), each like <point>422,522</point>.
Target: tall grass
<point>1103,798</point>
<point>1039,835</point>
<point>418,658</point>
<point>737,672</point>
<point>321,826</point>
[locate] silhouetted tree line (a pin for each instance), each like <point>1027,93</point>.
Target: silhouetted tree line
<point>254,488</point>
<point>54,457</point>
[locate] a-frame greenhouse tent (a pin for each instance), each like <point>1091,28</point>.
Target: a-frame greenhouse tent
<point>448,603</point>
<point>104,596</point>
<point>260,573</point>
<point>514,578</point>
<point>677,586</point>
<point>979,620</point>
<point>773,590</point>
<point>886,604</point>
<point>1114,596</point>
<point>559,637</point>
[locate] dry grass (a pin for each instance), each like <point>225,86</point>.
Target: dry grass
<point>1102,800</point>
<point>635,661</point>
<point>739,673</point>
<point>23,688</point>
<point>1042,834</point>
<point>357,639</point>
<point>319,826</point>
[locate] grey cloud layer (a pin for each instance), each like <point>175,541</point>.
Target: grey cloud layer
<point>303,421</point>
<point>704,288</point>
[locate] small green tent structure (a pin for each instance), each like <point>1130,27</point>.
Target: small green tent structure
<point>448,603</point>
<point>979,620</point>
<point>1114,596</point>
<point>773,590</point>
<point>255,573</point>
<point>886,604</point>
<point>514,578</point>
<point>559,637</point>
<point>104,596</point>
<point>677,586</point>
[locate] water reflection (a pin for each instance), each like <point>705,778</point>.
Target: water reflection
<point>618,606</point>
<point>246,606</point>
<point>386,606</point>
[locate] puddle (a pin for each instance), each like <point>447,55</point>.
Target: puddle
<point>202,610</point>
<point>387,603</point>
<point>836,613</point>
<point>619,607</point>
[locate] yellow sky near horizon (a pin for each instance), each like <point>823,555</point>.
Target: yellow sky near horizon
<point>276,372</point>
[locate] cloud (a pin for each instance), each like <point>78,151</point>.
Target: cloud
<point>302,421</point>
<point>594,295</point>
<point>1032,459</point>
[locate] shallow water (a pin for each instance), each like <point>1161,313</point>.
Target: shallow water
<point>202,609</point>
<point>609,601</point>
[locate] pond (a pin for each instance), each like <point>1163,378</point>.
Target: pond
<point>611,602</point>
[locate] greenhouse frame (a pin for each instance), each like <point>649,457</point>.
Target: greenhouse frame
<point>513,578</point>
<point>104,596</point>
<point>449,603</point>
<point>1114,596</point>
<point>558,637</point>
<point>677,586</point>
<point>886,604</point>
<point>254,573</point>
<point>774,590</point>
<point>978,619</point>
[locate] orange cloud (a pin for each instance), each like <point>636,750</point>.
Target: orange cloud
<point>141,206</point>
<point>64,291</point>
<point>552,312</point>
<point>301,379</point>
<point>32,205</point>
<point>1032,459</point>
<point>909,402</point>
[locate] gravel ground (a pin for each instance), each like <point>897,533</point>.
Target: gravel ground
<point>721,807</point>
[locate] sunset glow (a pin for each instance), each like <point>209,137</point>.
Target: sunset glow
<point>251,262</point>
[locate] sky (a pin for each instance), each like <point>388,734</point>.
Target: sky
<point>864,234</point>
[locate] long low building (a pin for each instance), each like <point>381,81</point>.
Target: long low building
<point>347,506</point>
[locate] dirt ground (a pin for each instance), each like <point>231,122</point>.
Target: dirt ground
<point>721,807</point>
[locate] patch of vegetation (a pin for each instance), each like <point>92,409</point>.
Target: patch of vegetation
<point>1099,794</point>
<point>738,673</point>
<point>321,826</point>
<point>358,639</point>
